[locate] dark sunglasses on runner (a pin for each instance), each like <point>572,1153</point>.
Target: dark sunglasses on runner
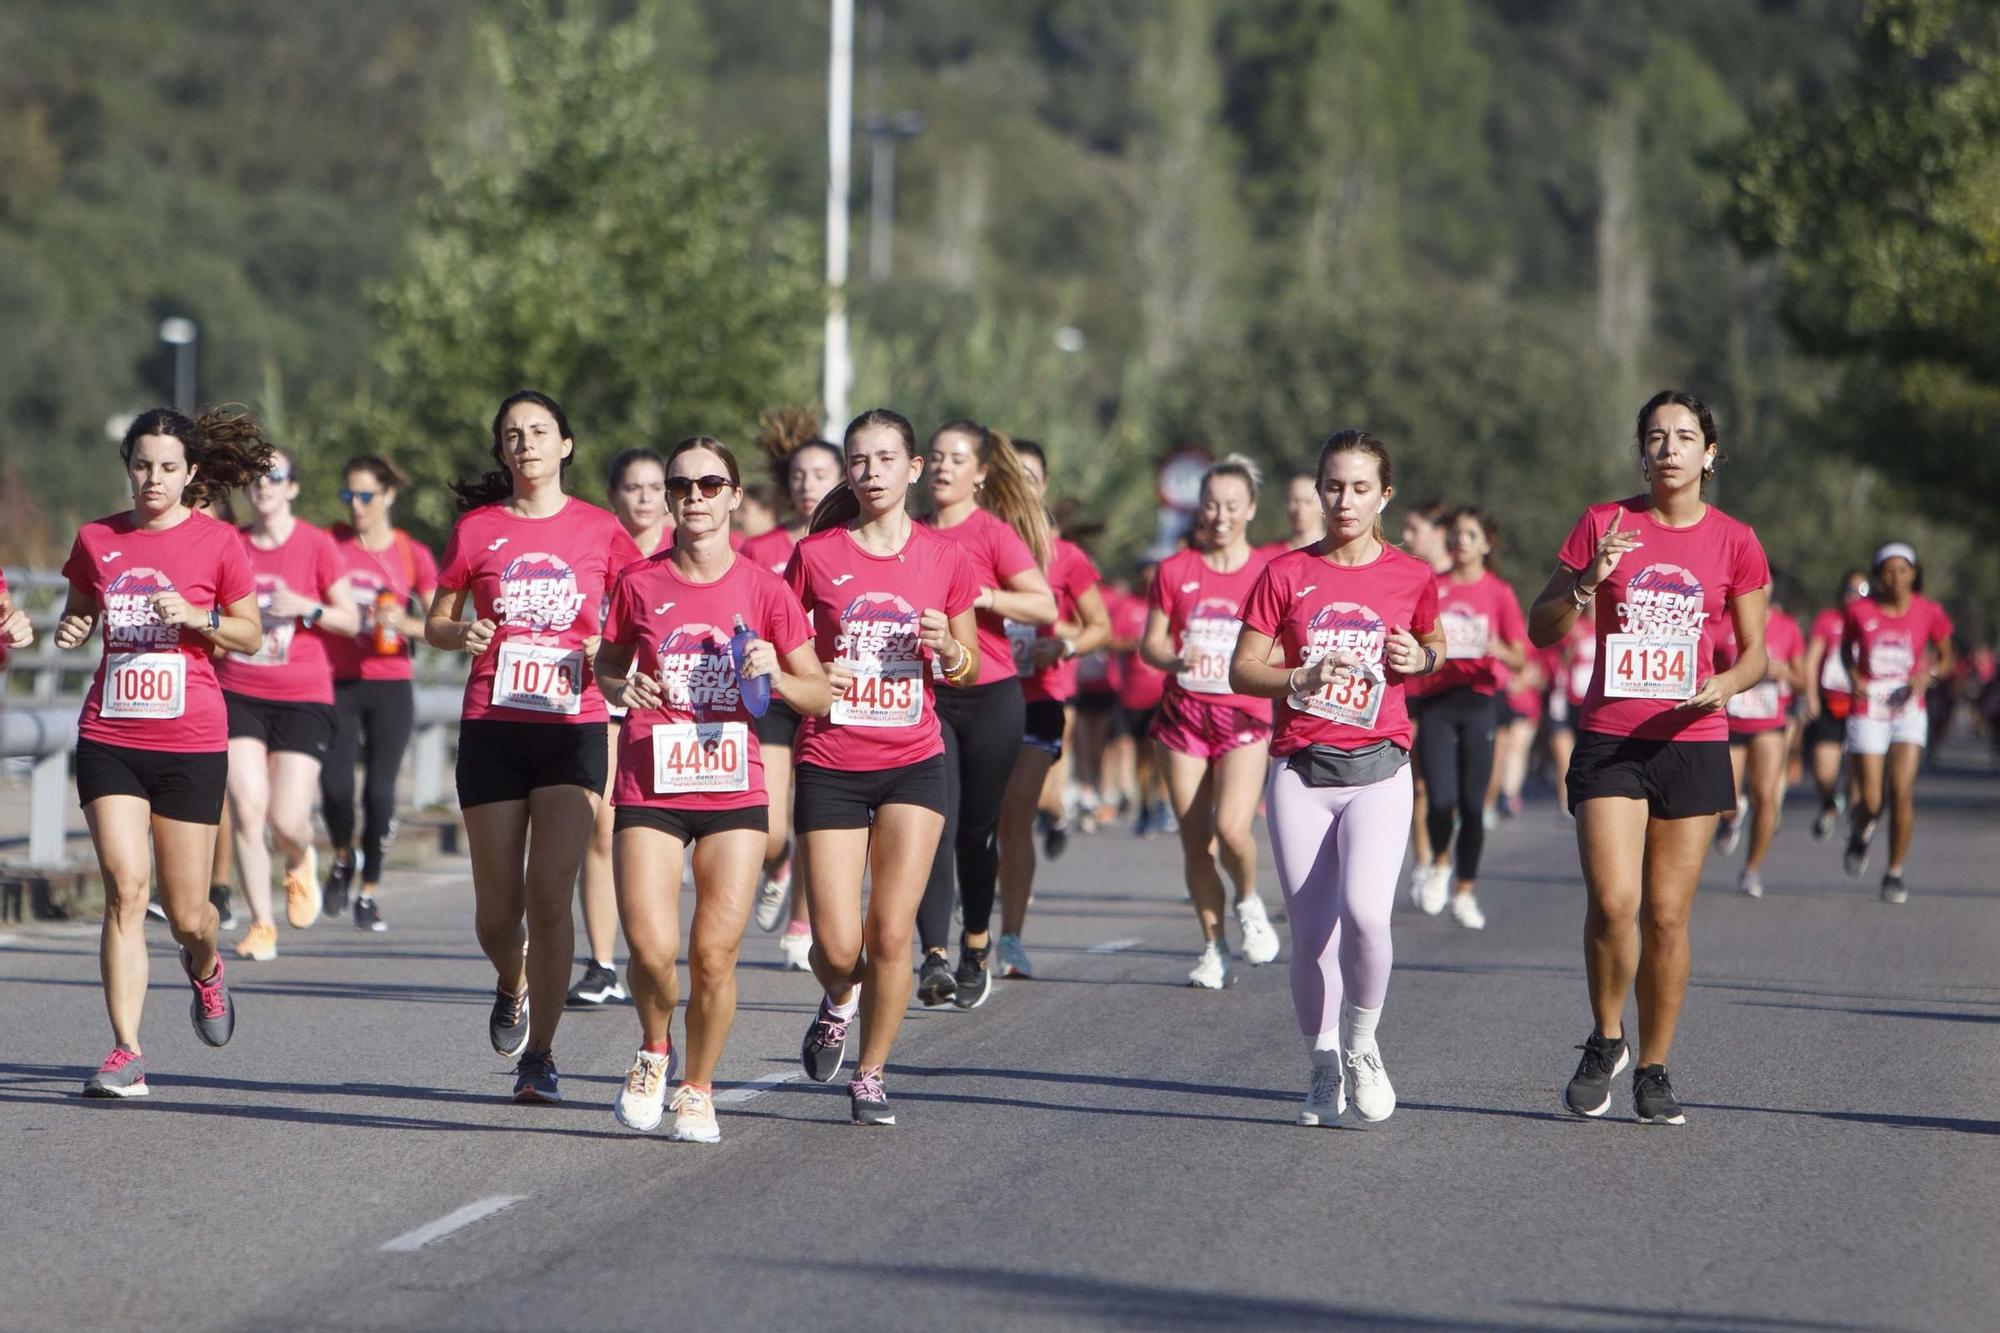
<point>679,488</point>
<point>358,497</point>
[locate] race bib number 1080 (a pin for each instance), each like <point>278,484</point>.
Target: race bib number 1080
<point>152,686</point>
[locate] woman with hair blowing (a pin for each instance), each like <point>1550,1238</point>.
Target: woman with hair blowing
<point>987,507</point>
<point>152,748</point>
<point>535,564</point>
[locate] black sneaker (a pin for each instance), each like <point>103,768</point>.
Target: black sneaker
<point>597,986</point>
<point>1589,1091</point>
<point>1653,1097</point>
<point>1824,823</point>
<point>339,881</point>
<point>1055,839</point>
<point>974,980</point>
<point>367,916</point>
<point>508,1027</point>
<point>934,983</point>
<point>867,1101</point>
<point>1893,890</point>
<point>824,1050</point>
<point>218,894</point>
<point>155,910</point>
<point>535,1078</point>
<point>1856,860</point>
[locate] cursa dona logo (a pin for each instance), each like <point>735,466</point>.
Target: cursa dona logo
<point>538,592</point>
<point>1662,600</point>
<point>1348,626</point>
<point>1215,609</point>
<point>878,627</point>
<point>695,672</point>
<point>129,621</point>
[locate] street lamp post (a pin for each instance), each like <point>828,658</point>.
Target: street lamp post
<point>183,335</point>
<point>839,136</point>
<point>884,132</point>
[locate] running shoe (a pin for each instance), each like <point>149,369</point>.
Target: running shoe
<point>1751,883</point>
<point>694,1116</point>
<point>645,1092</point>
<point>1420,874</point>
<point>1729,829</point>
<point>218,897</point>
<point>259,943</point>
<point>1374,1095</point>
<point>508,1025</point>
<point>1014,959</point>
<point>1326,1094</point>
<point>1055,839</point>
<point>772,896</point>
<point>1893,890</point>
<point>1856,859</point>
<point>535,1078</point>
<point>796,946</point>
<point>1212,970</point>
<point>596,987</point>
<point>302,893</point>
<point>1142,827</point>
<point>155,910</point>
<point>339,881</point>
<point>934,981</point>
<point>1824,823</point>
<point>867,1100</point>
<point>123,1074</point>
<point>1260,942</point>
<point>1589,1091</point>
<point>1465,911</point>
<point>213,1012</point>
<point>1653,1101</point>
<point>973,982</point>
<point>367,916</point>
<point>824,1050</point>
<point>1437,890</point>
<point>1489,818</point>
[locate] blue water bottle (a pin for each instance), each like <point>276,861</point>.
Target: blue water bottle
<point>756,690</point>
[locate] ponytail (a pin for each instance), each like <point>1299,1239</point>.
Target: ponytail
<point>1008,493</point>
<point>225,445</point>
<point>837,508</point>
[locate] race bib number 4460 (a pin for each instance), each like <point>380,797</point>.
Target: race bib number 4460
<point>1648,666</point>
<point>541,678</point>
<point>700,757</point>
<point>152,686</point>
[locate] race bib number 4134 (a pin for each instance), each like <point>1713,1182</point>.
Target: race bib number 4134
<point>1648,666</point>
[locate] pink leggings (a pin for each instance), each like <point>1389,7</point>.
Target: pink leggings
<point>1339,851</point>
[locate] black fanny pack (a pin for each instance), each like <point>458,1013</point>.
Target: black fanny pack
<point>1328,766</point>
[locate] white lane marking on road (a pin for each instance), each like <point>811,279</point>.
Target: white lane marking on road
<point>1114,946</point>
<point>756,1087</point>
<point>450,1222</point>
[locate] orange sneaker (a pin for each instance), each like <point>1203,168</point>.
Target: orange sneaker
<point>302,893</point>
<point>259,943</point>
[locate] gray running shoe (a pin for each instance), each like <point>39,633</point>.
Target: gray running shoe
<point>508,1027</point>
<point>123,1074</point>
<point>867,1100</point>
<point>535,1078</point>
<point>1653,1100</point>
<point>213,1012</point>
<point>825,1048</point>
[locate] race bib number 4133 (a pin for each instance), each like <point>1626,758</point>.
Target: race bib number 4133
<point>1352,698</point>
<point>1648,666</point>
<point>541,678</point>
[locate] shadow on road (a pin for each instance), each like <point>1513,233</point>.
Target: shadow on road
<point>1951,1123</point>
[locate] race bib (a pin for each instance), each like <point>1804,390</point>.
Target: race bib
<point>1833,676</point>
<point>1021,641</point>
<point>1889,699</point>
<point>885,694</point>
<point>276,648</point>
<point>1579,676</point>
<point>1891,661</point>
<point>541,678</point>
<point>1466,636</point>
<point>700,757</point>
<point>1645,666</point>
<point>152,686</point>
<point>1351,699</point>
<point>1762,702</point>
<point>1206,646</point>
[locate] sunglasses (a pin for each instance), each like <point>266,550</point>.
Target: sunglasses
<point>680,488</point>
<point>358,497</point>
<point>277,476</point>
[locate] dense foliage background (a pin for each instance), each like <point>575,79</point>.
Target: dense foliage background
<point>1484,229</point>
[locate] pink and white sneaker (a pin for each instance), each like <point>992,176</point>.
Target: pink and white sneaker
<point>123,1074</point>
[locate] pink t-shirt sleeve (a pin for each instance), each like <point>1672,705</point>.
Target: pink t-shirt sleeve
<point>795,574</point>
<point>962,588</point>
<point>787,620</point>
<point>1424,617</point>
<point>619,626</point>
<point>456,574</point>
<point>326,565</point>
<point>1941,627</point>
<point>1750,570</point>
<point>624,551</point>
<point>1264,608</point>
<point>233,579</point>
<point>1156,591</point>
<point>1580,547</point>
<point>1009,554</point>
<point>426,564</point>
<point>1513,626</point>
<point>77,568</point>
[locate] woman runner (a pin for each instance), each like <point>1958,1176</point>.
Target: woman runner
<point>636,486</point>
<point>1351,619</point>
<point>887,598</point>
<point>1758,745</point>
<point>1305,521</point>
<point>1829,693</point>
<point>280,702</point>
<point>152,757</point>
<point>1897,643</point>
<point>391,578</point>
<point>689,777</point>
<point>1213,742</point>
<point>989,509</point>
<point>1650,772</point>
<point>535,564</point>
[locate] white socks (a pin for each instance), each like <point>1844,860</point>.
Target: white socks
<point>1357,1027</point>
<point>852,1006</point>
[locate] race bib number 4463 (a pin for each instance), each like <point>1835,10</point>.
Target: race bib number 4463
<point>152,686</point>
<point>1648,666</point>
<point>543,679</point>
<point>886,694</point>
<point>700,757</point>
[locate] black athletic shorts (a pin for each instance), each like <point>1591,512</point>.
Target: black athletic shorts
<point>1095,701</point>
<point>829,798</point>
<point>779,725</point>
<point>691,825</point>
<point>282,725</point>
<point>1826,729</point>
<point>1676,779</point>
<point>1043,726</point>
<point>504,761</point>
<point>184,787</point>
<point>1138,722</point>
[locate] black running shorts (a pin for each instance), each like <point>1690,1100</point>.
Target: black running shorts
<point>183,787</point>
<point>690,826</point>
<point>502,760</point>
<point>283,725</point>
<point>1676,779</point>
<point>827,798</point>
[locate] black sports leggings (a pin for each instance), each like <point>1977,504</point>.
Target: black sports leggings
<point>1455,733</point>
<point>982,737</point>
<point>379,714</point>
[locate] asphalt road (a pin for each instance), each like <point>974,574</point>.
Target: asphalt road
<point>1101,1147</point>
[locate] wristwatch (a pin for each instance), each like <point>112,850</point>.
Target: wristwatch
<point>214,618</point>
<point>312,617</point>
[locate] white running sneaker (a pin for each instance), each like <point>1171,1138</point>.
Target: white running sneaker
<point>796,945</point>
<point>1212,970</point>
<point>1014,959</point>
<point>1260,942</point>
<point>1420,875</point>
<point>1326,1094</point>
<point>1437,888</point>
<point>1751,883</point>
<point>694,1116</point>
<point>772,896</point>
<point>1465,911</point>
<point>645,1092</point>
<point>1729,832</point>
<point>1374,1095</point>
